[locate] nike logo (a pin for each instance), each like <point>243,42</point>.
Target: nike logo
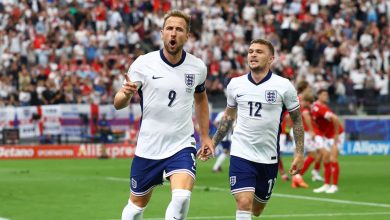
<point>177,218</point>
<point>157,77</point>
<point>238,96</point>
<point>267,197</point>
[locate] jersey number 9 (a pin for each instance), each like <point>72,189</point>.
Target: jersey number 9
<point>171,97</point>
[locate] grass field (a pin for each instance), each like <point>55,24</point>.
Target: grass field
<point>98,189</point>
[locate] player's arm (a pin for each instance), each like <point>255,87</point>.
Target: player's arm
<point>306,117</point>
<point>299,141</point>
<point>225,125</point>
<point>202,117</point>
<point>202,113</point>
<point>123,96</point>
<point>336,124</point>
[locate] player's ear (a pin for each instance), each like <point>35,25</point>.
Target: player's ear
<point>271,59</point>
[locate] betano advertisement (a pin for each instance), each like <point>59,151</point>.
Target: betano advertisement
<point>120,150</point>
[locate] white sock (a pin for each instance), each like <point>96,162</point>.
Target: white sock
<point>243,215</point>
<point>179,205</point>
<point>132,212</point>
<point>219,161</point>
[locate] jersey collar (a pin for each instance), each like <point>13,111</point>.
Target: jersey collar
<point>266,78</point>
<point>183,57</point>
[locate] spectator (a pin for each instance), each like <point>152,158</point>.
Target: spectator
<point>63,38</point>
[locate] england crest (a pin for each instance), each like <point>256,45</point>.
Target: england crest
<point>233,180</point>
<point>271,95</point>
<point>133,183</point>
<point>189,79</point>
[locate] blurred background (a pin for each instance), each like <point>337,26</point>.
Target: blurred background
<point>61,61</point>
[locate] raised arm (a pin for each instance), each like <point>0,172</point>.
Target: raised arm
<point>297,163</point>
<point>123,96</point>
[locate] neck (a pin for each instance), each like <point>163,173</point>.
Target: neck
<point>173,58</point>
<point>259,75</point>
<point>324,103</point>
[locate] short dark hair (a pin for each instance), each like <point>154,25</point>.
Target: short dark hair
<point>321,91</point>
<point>264,42</point>
<point>180,14</point>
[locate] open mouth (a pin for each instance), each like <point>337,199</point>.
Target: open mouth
<point>172,42</point>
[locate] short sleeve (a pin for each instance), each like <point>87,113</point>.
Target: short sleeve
<point>290,98</point>
<point>231,98</point>
<point>324,112</point>
<point>202,86</point>
<point>134,73</point>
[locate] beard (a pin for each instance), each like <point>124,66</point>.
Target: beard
<point>257,69</point>
<point>174,51</point>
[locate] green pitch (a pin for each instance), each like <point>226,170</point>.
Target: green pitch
<point>98,189</point>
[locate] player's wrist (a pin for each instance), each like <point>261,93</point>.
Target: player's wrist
<point>299,154</point>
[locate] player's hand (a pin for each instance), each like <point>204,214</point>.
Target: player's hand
<point>297,164</point>
<point>312,135</point>
<point>206,150</point>
<point>129,87</point>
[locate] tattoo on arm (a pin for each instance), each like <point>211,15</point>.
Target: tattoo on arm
<point>298,130</point>
<point>224,126</point>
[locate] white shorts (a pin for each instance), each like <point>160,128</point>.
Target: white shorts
<point>310,144</point>
<point>329,142</point>
<point>313,145</point>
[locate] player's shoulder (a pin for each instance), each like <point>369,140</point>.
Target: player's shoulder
<point>275,78</point>
<point>192,59</point>
<point>148,57</point>
<point>317,106</point>
<point>239,80</point>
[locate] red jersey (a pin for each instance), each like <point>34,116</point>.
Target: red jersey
<point>313,123</point>
<point>303,110</point>
<point>286,123</point>
<point>321,114</point>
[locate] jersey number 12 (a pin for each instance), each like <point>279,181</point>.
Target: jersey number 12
<point>254,106</point>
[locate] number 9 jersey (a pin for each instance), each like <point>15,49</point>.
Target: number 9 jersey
<point>259,110</point>
<point>167,96</point>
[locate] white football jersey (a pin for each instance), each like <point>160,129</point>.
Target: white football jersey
<point>259,109</point>
<point>167,97</point>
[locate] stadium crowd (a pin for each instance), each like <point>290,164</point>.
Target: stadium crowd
<point>64,51</point>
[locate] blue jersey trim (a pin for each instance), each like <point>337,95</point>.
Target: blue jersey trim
<point>266,78</point>
<point>200,88</point>
<point>142,105</point>
<point>279,132</point>
<point>183,57</point>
